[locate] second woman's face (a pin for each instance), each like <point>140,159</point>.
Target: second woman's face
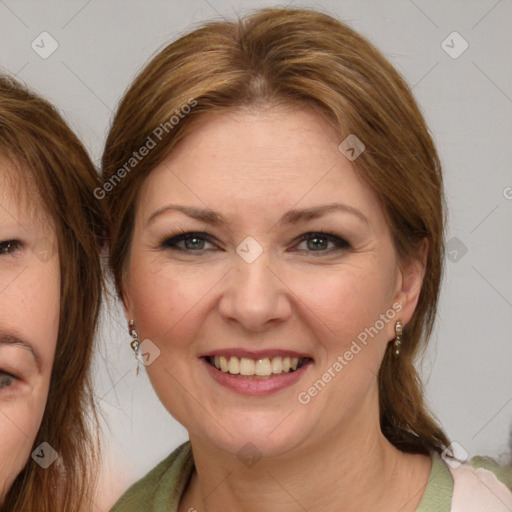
<point>256,247</point>
<point>29,321</point>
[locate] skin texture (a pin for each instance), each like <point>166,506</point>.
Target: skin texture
<point>29,311</point>
<point>251,167</point>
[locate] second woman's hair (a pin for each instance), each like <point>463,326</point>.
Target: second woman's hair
<point>48,157</point>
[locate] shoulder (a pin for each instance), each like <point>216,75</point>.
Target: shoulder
<point>503,472</point>
<point>481,484</point>
<point>160,489</point>
<point>472,486</point>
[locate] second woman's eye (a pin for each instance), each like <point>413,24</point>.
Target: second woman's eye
<point>319,242</point>
<point>9,246</point>
<point>7,379</point>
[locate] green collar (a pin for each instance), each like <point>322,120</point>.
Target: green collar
<point>438,492</point>
<point>162,488</point>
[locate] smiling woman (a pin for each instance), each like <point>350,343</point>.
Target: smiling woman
<point>50,289</point>
<point>285,240</point>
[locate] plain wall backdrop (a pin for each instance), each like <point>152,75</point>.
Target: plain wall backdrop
<point>81,55</point>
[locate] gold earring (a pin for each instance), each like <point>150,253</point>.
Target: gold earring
<point>134,343</point>
<point>398,338</point>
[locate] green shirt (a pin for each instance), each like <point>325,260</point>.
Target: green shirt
<point>161,489</point>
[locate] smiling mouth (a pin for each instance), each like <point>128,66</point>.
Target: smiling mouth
<point>263,368</point>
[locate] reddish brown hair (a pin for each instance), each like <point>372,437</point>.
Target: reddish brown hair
<point>301,58</point>
<point>38,142</point>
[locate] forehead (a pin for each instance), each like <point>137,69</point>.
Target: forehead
<point>19,197</point>
<point>253,158</point>
<point>269,139</point>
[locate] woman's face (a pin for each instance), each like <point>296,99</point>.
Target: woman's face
<point>29,320</point>
<point>255,286</point>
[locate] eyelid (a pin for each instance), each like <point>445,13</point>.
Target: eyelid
<point>340,242</point>
<point>4,372</point>
<point>181,234</point>
<point>9,375</point>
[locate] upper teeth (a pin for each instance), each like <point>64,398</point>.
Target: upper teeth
<point>262,367</point>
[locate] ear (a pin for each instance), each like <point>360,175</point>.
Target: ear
<point>409,283</point>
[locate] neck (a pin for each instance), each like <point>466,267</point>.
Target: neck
<point>353,470</point>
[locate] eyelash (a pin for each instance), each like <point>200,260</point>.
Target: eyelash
<point>6,246</point>
<point>170,242</point>
<point>9,376</point>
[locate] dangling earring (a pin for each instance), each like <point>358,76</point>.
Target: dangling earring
<point>398,339</point>
<point>134,343</point>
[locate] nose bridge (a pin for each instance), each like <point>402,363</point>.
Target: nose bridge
<point>254,295</point>
<point>254,276</point>
<point>253,279</point>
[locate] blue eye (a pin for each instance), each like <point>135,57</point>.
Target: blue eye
<point>6,379</point>
<point>193,241</point>
<point>321,241</point>
<point>317,242</point>
<point>9,246</point>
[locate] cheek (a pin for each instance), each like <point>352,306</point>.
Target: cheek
<point>34,309</point>
<point>19,424</point>
<point>30,308</point>
<point>166,300</point>
<point>344,302</point>
<point>14,453</point>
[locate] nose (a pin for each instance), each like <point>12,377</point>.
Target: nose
<point>255,296</point>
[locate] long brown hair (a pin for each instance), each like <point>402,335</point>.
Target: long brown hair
<point>308,59</point>
<point>37,140</point>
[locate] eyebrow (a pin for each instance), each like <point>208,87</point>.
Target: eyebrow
<point>290,217</point>
<point>13,340</point>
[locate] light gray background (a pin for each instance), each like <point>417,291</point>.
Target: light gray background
<point>467,102</point>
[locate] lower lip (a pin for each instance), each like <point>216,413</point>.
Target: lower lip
<point>256,386</point>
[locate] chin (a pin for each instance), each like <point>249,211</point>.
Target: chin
<point>254,438</point>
